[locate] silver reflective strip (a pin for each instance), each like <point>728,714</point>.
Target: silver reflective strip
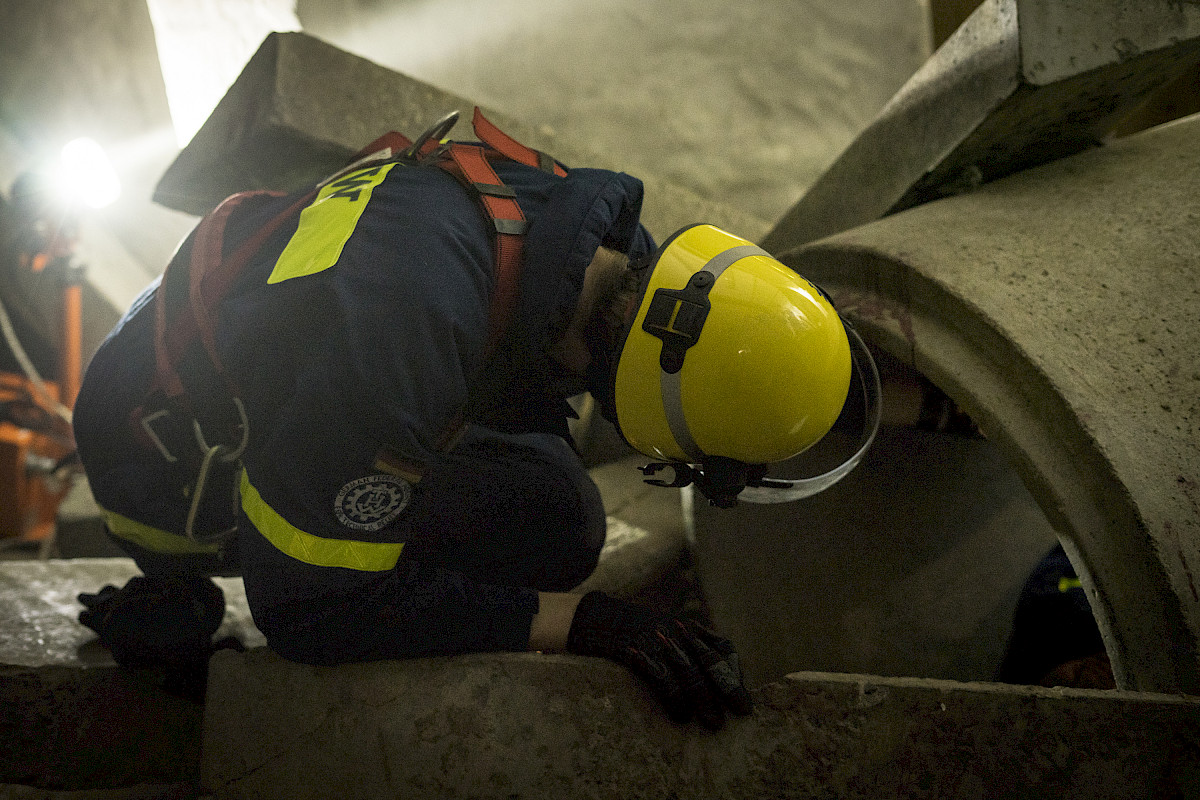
<point>725,259</point>
<point>672,389</point>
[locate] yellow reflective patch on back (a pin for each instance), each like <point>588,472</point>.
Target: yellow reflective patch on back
<point>326,225</point>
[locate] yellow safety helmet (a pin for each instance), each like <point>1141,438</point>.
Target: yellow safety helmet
<point>733,362</point>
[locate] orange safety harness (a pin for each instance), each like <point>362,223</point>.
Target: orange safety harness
<point>192,289</point>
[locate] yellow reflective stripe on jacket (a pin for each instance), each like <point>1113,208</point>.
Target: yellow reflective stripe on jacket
<point>316,550</point>
<point>326,225</point>
<point>153,539</point>
<point>1066,584</point>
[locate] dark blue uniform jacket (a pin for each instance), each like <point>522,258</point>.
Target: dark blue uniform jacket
<point>357,340</point>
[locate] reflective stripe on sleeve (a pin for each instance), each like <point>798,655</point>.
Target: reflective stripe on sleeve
<point>154,539</point>
<point>315,550</point>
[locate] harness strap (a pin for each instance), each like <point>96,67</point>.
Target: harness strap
<point>500,141</point>
<point>210,277</point>
<point>500,205</point>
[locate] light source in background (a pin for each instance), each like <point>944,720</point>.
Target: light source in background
<point>37,461</point>
<point>86,175</point>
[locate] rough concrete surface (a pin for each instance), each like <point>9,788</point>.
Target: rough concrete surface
<point>95,728</point>
<point>69,717</point>
<point>1059,307</point>
<point>475,726</point>
<point>301,108</point>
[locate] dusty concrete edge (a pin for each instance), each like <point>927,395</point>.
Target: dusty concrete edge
<point>519,724</point>
<point>990,687</point>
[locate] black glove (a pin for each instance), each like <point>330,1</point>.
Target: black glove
<point>692,670</point>
<point>160,622</point>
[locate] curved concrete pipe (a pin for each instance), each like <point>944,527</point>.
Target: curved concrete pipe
<point>1061,308</point>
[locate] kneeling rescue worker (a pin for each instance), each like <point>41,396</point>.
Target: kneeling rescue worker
<point>354,396</point>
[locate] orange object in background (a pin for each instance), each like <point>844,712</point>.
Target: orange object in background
<point>71,348</point>
<point>33,440</point>
<point>35,429</point>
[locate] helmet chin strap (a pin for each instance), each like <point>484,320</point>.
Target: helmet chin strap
<point>725,480</point>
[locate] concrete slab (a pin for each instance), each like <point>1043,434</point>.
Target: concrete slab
<point>70,718</point>
<point>529,725</point>
<point>1022,82</point>
<point>301,107</point>
<point>1058,306</point>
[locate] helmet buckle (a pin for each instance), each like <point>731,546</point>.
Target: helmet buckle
<point>718,479</point>
<point>677,316</point>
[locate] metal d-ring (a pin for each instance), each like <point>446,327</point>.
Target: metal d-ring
<point>435,131</point>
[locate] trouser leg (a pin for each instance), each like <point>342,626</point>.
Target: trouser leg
<point>517,510</point>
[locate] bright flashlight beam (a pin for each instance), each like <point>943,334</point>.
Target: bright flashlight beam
<point>87,175</point>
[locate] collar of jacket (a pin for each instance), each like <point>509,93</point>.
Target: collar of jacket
<point>569,218</point>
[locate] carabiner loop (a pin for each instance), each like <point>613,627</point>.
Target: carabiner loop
<point>189,528</point>
<point>221,451</point>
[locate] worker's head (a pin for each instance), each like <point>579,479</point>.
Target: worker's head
<point>712,353</point>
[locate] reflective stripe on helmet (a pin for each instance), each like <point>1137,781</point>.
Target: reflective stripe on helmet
<point>672,386</point>
<point>316,550</point>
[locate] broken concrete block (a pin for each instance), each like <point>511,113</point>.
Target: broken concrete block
<point>531,725</point>
<point>302,107</point>
<point>1022,82</point>
<point>71,718</point>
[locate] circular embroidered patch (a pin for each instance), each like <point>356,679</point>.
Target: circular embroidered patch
<point>370,503</point>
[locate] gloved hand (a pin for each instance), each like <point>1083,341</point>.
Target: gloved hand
<point>160,622</point>
<point>692,670</point>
